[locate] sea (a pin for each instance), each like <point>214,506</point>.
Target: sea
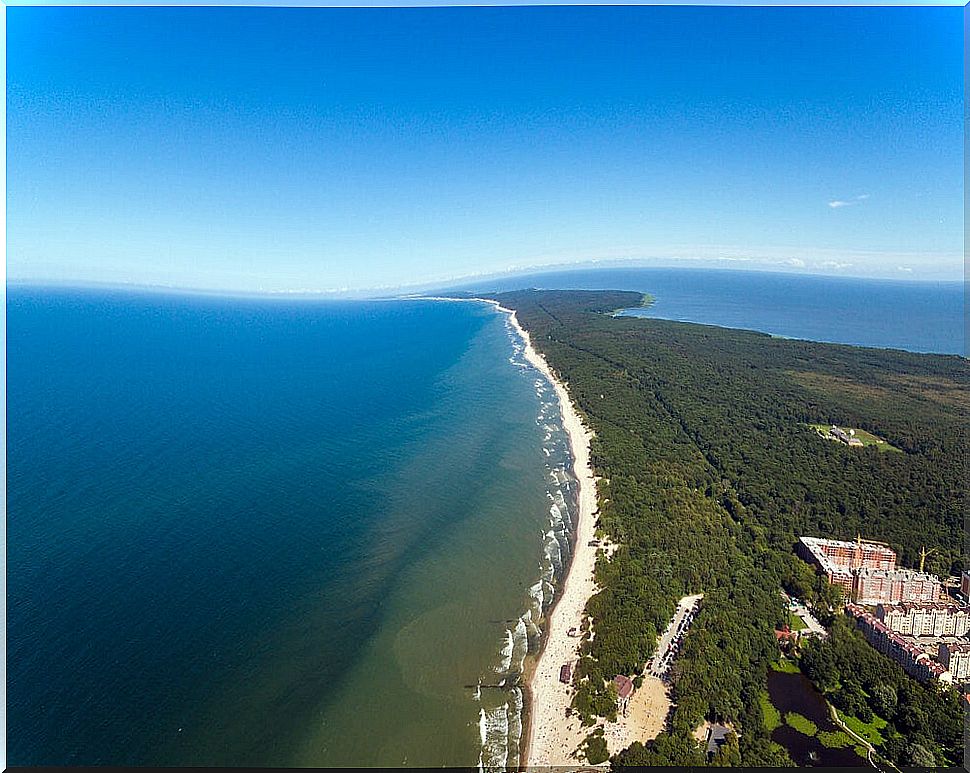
<point>918,316</point>
<point>280,533</point>
<point>291,532</point>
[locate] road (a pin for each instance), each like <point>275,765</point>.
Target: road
<point>808,618</point>
<point>663,657</point>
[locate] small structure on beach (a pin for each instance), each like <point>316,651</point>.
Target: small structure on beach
<point>566,673</point>
<point>624,690</point>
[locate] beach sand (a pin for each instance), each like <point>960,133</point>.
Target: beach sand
<point>553,738</point>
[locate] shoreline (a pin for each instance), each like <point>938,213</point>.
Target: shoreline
<point>545,741</point>
<point>548,737</point>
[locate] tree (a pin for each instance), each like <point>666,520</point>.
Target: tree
<point>882,699</point>
<point>919,756</point>
<point>708,475</point>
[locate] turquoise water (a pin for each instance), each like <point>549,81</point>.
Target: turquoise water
<point>273,532</point>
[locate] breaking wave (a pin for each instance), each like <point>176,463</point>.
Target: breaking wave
<point>499,693</point>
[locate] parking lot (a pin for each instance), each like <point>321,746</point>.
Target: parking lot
<point>670,641</point>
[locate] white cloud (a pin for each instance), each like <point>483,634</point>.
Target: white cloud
<point>848,202</point>
<point>907,269</point>
<point>796,262</point>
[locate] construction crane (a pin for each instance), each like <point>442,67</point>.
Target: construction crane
<point>923,553</point>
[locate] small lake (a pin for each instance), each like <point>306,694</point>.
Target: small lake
<point>794,692</point>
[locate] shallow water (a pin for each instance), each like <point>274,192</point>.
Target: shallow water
<point>245,531</point>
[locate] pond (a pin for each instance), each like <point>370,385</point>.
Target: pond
<point>795,693</point>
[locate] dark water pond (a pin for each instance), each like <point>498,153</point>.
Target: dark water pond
<point>793,692</point>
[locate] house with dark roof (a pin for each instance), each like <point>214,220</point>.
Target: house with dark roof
<point>716,738</point>
<point>566,673</point>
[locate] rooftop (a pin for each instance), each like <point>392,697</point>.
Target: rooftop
<point>908,574</point>
<point>929,606</point>
<point>823,542</point>
<point>624,685</point>
<point>716,737</point>
<point>960,648</point>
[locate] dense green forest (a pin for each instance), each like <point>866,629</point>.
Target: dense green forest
<point>710,473</point>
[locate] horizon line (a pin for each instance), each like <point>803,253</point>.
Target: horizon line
<point>417,289</point>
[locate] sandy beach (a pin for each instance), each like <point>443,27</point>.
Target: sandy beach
<point>552,737</point>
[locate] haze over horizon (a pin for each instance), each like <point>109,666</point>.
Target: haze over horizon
<point>257,149</point>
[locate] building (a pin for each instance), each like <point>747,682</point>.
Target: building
<point>624,690</point>
<point>717,736</point>
<point>841,435</point>
<point>955,658</point>
<point>891,586</point>
<point>867,571</point>
<point>912,658</point>
<point>965,584</point>
<point>834,556</point>
<point>925,619</point>
<point>566,673</point>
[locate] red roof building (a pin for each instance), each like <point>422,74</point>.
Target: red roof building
<point>566,673</point>
<point>624,686</point>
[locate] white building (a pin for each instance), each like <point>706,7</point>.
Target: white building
<point>925,619</point>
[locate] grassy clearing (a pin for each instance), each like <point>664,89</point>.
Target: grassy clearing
<point>795,622</point>
<point>834,740</point>
<point>800,723</point>
<point>785,666</point>
<point>868,730</point>
<point>772,717</point>
<point>867,438</point>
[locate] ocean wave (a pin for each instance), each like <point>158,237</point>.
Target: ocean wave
<point>506,653</point>
<point>500,719</point>
<point>494,731</point>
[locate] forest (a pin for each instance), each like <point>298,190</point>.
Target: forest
<point>709,474</point>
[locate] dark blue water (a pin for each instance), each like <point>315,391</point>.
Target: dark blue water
<point>916,316</point>
<point>265,532</point>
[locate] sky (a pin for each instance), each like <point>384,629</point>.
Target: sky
<point>322,149</point>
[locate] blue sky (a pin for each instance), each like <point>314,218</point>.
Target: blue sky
<point>318,149</point>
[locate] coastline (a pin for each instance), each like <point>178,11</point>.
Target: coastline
<point>548,736</point>
<point>550,739</point>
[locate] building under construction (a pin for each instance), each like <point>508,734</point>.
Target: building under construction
<point>867,571</point>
